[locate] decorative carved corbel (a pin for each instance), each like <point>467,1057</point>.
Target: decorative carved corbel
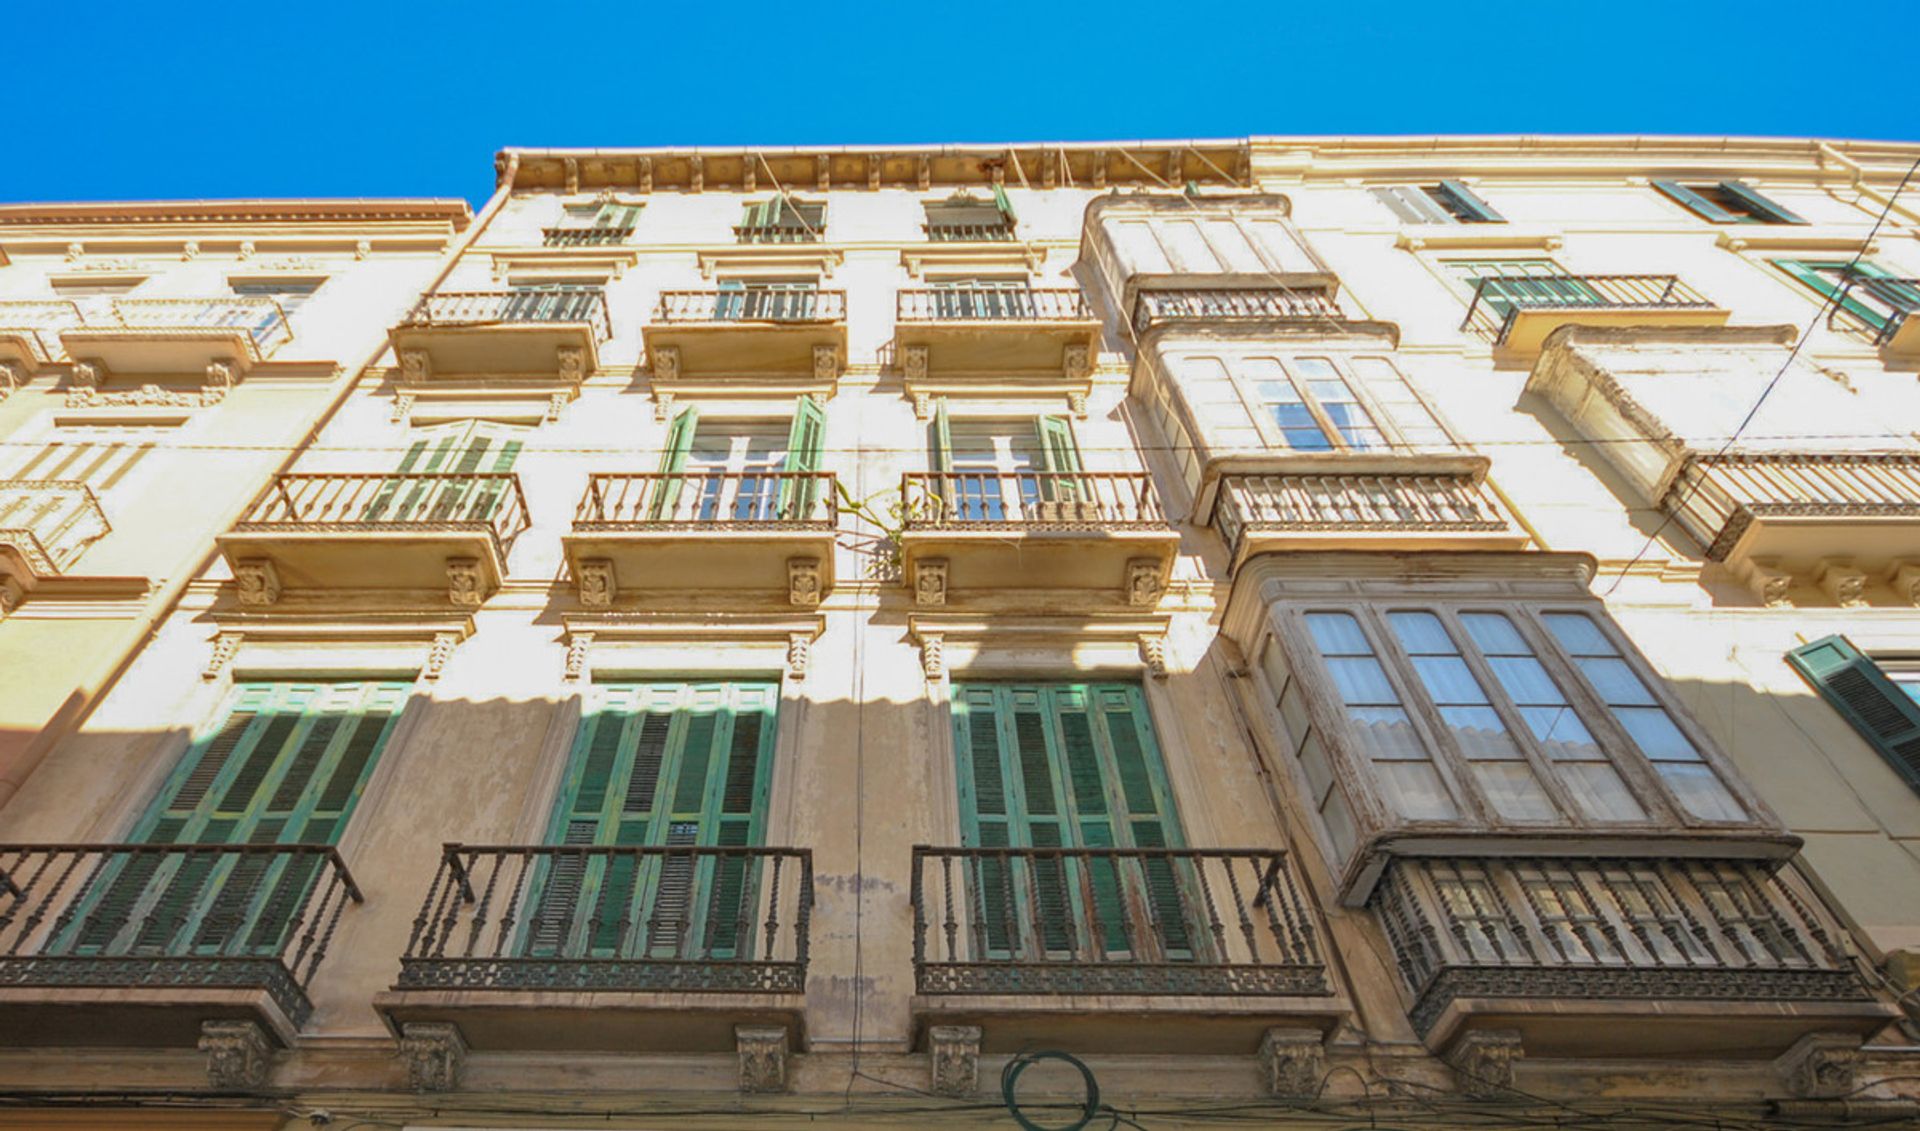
<point>556,404</point>
<point>930,581</point>
<point>666,363</point>
<point>826,363</point>
<point>579,670</point>
<point>416,366</point>
<point>953,1056</point>
<point>1146,582</point>
<point>662,405</point>
<point>1293,1062</point>
<point>596,583</point>
<point>763,1057</point>
<point>86,375</point>
<point>247,249</point>
<point>1077,404</point>
<point>570,167</point>
<point>362,248</point>
<point>1076,361</point>
<point>1482,1061</point>
<point>238,1055</point>
<point>10,378</point>
<point>256,582</point>
<point>1153,653</point>
<point>1842,582</point>
<point>933,655</point>
<point>1904,577</point>
<point>402,407</point>
<point>463,582</point>
<point>1770,585</point>
<point>803,582</point>
<point>9,597</point>
<point>435,1053</point>
<point>923,406</point>
<point>224,647</point>
<point>572,361</point>
<point>913,362</point>
<point>1821,1065</point>
<point>823,172</point>
<point>799,653</point>
<point>438,655</point>
<point>219,380</point>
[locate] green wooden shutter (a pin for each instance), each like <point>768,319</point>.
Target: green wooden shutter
<point>1765,207</point>
<point>1695,203</point>
<point>1856,687</point>
<point>942,437</point>
<point>1412,205</point>
<point>1061,459</point>
<point>804,445</point>
<point>1809,273</point>
<point>1001,202</point>
<point>673,461</point>
<point>488,493</point>
<point>1469,202</point>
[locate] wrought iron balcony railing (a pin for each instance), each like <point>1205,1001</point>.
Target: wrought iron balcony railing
<point>668,920</point>
<point>751,304</point>
<point>545,305</point>
<point>262,318</point>
<point>586,237</point>
<point>181,917</point>
<point>366,502</point>
<point>708,500</point>
<point>38,323</point>
<point>50,522</point>
<point>1111,921</point>
<point>1233,305</point>
<point>1720,496</point>
<point>778,233</point>
<point>1599,928</point>
<point>1370,503</point>
<point>1001,232</point>
<point>992,304</point>
<point>1498,300</point>
<point>1029,500</point>
<point>1881,305</point>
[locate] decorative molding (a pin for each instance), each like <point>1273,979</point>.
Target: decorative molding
<point>362,248</point>
<point>666,363</point>
<point>1293,1062</point>
<point>146,396</point>
<point>435,1053</point>
<point>799,653</point>
<point>579,668</point>
<point>1146,582</point>
<point>1821,1065</point>
<point>933,654</point>
<point>1842,582</point>
<point>1770,585</point>
<point>913,366</point>
<point>803,582</point>
<point>257,582</point>
<point>826,363</point>
<point>416,366</point>
<point>85,375</point>
<point>1153,653</point>
<point>190,250</point>
<point>930,582</point>
<point>662,403</point>
<point>402,407</point>
<point>438,654</point>
<point>953,1059</point>
<point>597,585</point>
<point>922,406</point>
<point>463,582</point>
<point>225,644</point>
<point>1076,361</point>
<point>556,404</point>
<point>220,378</point>
<point>572,363</point>
<point>238,1055</point>
<point>1077,403</point>
<point>1483,1060</point>
<point>763,1057</point>
<point>1904,577</point>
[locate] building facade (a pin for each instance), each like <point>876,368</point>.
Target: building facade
<point>1315,629</point>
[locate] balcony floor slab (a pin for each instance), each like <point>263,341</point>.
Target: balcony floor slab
<point>595,1020</point>
<point>685,559</point>
<point>1016,558</point>
<point>1198,1025</point>
<point>347,559</point>
<point>131,1016</point>
<point>499,349</point>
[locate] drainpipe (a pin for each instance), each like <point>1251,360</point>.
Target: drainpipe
<point>81,702</point>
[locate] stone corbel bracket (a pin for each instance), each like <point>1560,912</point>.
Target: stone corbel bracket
<point>645,644</point>
<point>275,645</point>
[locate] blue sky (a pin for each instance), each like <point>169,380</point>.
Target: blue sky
<point>363,98</point>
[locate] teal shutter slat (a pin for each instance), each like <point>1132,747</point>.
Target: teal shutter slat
<point>1765,207</point>
<point>1470,203</point>
<point>1856,687</point>
<point>1001,202</point>
<point>1695,203</point>
<point>673,461</point>
<point>805,440</point>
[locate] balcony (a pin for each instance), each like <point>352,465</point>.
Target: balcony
<point>1411,503</point>
<point>1789,510</point>
<point>608,948</point>
<point>1517,313</point>
<point>1201,949</point>
<point>1246,304</point>
<point>987,332</point>
<point>171,336</point>
<point>1886,309</point>
<point>586,237</point>
<point>780,233</point>
<point>988,531</point>
<point>748,333</point>
<point>1000,231</point>
<point>45,525</point>
<point>1633,958</point>
<point>394,532</point>
<point>551,332</point>
<point>30,332</point>
<point>764,533</point>
<point>137,944</point>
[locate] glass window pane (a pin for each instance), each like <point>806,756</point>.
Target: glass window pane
<point>1421,634</point>
<point>1481,734</point>
<point>1599,791</point>
<point>1700,792</point>
<point>1386,734</point>
<point>1495,635</point>
<point>1360,680</point>
<point>1512,790</point>
<point>1414,790</point>
<point>1579,635</point>
<point>1561,733</point>
<point>1652,730</point>
<point>1614,681</point>
<point>1338,634</point>
<point>1448,680</point>
<point>1525,680</point>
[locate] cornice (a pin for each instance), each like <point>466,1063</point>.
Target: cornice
<point>400,211</point>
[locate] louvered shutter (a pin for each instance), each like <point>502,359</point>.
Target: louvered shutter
<point>1697,204</point>
<point>1001,202</point>
<point>1411,205</point>
<point>1150,822</point>
<point>1745,193</point>
<point>1093,819</point>
<point>805,441</point>
<point>578,822</point>
<point>665,504</point>
<point>1856,687</point>
<point>984,796</point>
<point>1467,201</point>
